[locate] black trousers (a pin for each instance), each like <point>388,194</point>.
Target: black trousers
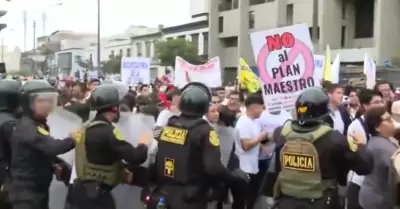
<point>255,183</point>
<point>82,196</point>
<point>352,196</point>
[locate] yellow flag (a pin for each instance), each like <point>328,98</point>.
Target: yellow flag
<point>327,68</point>
<point>247,78</point>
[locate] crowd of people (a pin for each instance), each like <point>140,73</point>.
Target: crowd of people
<point>299,159</point>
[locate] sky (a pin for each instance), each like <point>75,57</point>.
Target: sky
<point>81,16</point>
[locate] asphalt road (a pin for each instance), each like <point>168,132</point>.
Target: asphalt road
<point>127,197</point>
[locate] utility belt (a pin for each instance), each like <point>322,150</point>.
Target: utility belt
<point>89,190</point>
<point>329,200</point>
<point>152,196</point>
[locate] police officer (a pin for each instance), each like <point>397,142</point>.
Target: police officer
<point>34,151</point>
<point>100,151</point>
<point>188,162</point>
<point>312,157</point>
<point>9,93</point>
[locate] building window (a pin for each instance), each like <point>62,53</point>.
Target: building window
<point>221,24</point>
<point>205,43</point>
<point>344,7</point>
<point>128,52</point>
<point>139,49</point>
<point>343,37</point>
<point>195,39</point>
<point>255,2</point>
<point>289,13</point>
<point>121,53</point>
<point>230,42</point>
<point>310,29</point>
<point>148,45</point>
<point>364,21</point>
<point>251,19</point>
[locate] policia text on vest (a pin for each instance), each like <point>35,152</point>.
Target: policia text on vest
<point>300,162</point>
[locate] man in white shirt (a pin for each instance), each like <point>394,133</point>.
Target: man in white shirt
<point>249,146</point>
<point>368,98</point>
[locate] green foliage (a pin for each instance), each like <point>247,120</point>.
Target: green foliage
<point>166,51</point>
<point>22,72</point>
<point>113,65</point>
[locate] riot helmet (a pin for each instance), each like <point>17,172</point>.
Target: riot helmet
<point>38,98</point>
<point>312,106</point>
<point>107,98</point>
<point>195,99</point>
<point>10,92</point>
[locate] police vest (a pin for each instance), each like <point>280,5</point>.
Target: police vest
<point>300,174</point>
<point>86,171</point>
<point>173,159</point>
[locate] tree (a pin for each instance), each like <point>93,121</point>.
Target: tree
<point>166,51</point>
<point>113,65</point>
<point>22,72</point>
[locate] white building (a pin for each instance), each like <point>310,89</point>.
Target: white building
<point>12,58</point>
<point>196,32</point>
<point>119,44</point>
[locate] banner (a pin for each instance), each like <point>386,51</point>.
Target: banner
<point>135,70</point>
<point>208,73</point>
<point>247,78</point>
<point>319,64</point>
<point>369,71</point>
<point>285,61</point>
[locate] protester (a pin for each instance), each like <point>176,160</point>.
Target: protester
<point>377,188</point>
<point>368,99</point>
<point>252,153</point>
<point>340,115</point>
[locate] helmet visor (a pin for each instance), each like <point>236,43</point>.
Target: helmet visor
<point>43,103</point>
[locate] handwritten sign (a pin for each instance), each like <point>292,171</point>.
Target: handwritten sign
<point>135,70</point>
<point>285,61</point>
<point>208,73</point>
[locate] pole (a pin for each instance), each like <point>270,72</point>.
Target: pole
<point>34,35</point>
<point>25,16</point>
<point>2,49</point>
<point>315,21</point>
<point>98,34</point>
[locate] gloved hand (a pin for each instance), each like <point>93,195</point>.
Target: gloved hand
<point>62,170</point>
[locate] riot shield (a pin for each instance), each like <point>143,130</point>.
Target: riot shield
<point>132,127</point>
<point>61,123</point>
<point>227,136</point>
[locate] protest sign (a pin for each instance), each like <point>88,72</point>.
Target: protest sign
<point>285,61</point>
<point>135,70</point>
<point>208,73</point>
<point>369,71</point>
<point>319,63</point>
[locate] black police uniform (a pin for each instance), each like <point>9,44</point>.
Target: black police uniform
<point>34,152</point>
<point>311,158</point>
<point>99,153</point>
<point>9,93</point>
<point>188,166</point>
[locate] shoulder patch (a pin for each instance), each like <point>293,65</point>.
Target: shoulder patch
<point>118,135</point>
<point>214,140</point>
<point>352,144</point>
<point>79,136</point>
<point>43,131</point>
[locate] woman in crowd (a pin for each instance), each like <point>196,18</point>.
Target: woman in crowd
<point>377,188</point>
